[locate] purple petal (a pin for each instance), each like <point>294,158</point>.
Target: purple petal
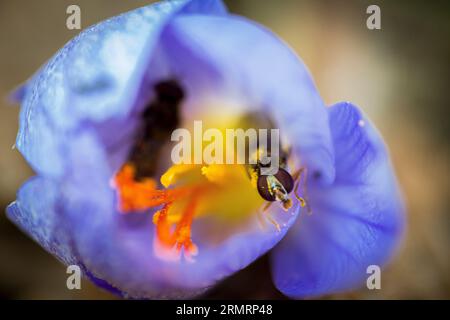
<point>93,78</point>
<point>241,61</point>
<point>122,255</point>
<point>356,222</point>
<point>36,212</point>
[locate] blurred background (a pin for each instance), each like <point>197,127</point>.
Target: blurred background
<point>398,75</point>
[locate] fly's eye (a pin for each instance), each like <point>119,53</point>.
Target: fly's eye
<point>263,189</point>
<point>283,177</point>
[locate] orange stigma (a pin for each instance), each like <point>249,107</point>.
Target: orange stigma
<point>138,196</point>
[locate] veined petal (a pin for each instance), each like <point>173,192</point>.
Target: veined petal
<point>37,212</point>
<point>125,258</point>
<point>356,222</point>
<point>93,78</point>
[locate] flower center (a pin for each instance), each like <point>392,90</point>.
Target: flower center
<point>190,191</point>
<point>186,191</point>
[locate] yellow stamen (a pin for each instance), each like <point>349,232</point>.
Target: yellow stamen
<point>170,176</point>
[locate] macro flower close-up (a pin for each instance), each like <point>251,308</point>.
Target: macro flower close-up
<point>103,119</point>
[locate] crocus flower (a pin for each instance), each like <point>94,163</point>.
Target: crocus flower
<point>181,229</point>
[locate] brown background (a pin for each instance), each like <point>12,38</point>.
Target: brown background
<point>398,75</point>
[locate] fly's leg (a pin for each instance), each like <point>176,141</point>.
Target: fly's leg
<point>296,176</point>
<point>263,214</point>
